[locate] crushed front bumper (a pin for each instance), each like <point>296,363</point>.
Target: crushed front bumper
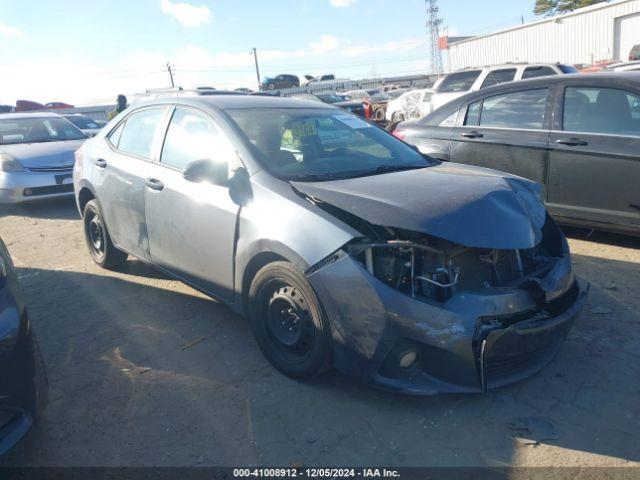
<point>473,342</point>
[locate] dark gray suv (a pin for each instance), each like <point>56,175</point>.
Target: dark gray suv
<point>578,135</point>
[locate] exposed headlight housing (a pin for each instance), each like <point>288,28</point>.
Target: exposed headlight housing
<point>9,164</point>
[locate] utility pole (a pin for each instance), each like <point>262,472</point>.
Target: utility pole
<point>433,25</point>
<point>170,74</point>
<point>255,58</point>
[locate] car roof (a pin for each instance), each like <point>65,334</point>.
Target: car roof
<point>605,77</point>
<point>225,102</point>
<point>17,115</point>
<point>508,65</point>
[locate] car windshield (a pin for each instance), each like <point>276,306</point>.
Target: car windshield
<point>309,144</point>
<point>82,122</point>
<point>37,130</point>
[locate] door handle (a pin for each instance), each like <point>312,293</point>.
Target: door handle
<point>472,134</point>
<point>572,142</point>
<point>154,184</point>
<point>100,162</point>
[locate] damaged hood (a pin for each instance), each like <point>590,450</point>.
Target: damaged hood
<point>471,206</point>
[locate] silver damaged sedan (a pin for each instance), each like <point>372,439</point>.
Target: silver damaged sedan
<point>342,245</point>
<point>36,156</point>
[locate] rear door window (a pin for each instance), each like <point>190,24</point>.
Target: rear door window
<point>524,109</point>
<point>459,81</point>
<point>497,77</point>
<point>139,132</point>
<point>601,110</point>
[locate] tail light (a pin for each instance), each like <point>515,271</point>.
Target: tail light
<point>367,109</point>
<point>401,134</point>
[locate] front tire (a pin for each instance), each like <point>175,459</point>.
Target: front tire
<point>288,321</point>
<point>101,248</point>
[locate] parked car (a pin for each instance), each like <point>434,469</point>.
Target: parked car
<point>344,246</point>
<point>411,104</point>
<point>57,105</point>
<point>7,108</point>
<point>281,81</point>
<point>36,156</point>
<point>635,53</point>
<point>360,108</point>
<point>623,66</point>
<point>87,125</point>
<point>23,381</point>
<point>243,90</point>
<point>310,79</point>
<point>578,135</point>
<point>28,106</point>
<point>458,83</point>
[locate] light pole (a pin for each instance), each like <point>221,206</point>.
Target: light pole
<point>255,58</point>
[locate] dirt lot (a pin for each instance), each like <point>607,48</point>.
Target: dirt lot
<point>124,392</point>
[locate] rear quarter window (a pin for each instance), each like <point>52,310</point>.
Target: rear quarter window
<point>459,81</point>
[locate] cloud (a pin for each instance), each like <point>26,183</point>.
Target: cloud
<point>342,3</point>
<point>326,44</point>
<point>83,80</point>
<point>188,15</point>
<point>9,31</point>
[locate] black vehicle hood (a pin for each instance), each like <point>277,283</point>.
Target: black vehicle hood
<point>474,207</point>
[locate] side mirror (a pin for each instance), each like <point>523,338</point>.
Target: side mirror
<point>199,171</point>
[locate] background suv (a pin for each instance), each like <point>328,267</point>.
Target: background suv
<point>456,84</point>
<point>281,81</point>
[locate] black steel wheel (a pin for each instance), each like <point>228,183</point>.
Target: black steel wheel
<point>102,250</point>
<point>288,321</point>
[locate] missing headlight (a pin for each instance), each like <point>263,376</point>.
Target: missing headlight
<point>430,268</point>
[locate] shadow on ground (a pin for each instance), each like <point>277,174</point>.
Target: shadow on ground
<point>124,390</point>
<point>599,236</point>
<point>57,209</point>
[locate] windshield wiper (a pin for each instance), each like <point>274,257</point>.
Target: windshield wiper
<point>392,168</point>
<point>314,177</point>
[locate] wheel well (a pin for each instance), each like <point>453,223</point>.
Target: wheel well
<point>84,197</point>
<point>254,265</point>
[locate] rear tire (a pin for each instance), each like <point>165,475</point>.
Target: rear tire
<point>101,248</point>
<point>397,117</point>
<point>288,321</point>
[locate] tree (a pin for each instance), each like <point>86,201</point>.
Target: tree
<point>554,7</point>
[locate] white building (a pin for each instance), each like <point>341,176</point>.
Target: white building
<point>605,31</point>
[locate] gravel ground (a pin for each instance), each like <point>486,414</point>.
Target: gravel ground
<point>125,392</point>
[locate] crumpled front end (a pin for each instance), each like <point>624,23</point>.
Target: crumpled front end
<point>418,314</point>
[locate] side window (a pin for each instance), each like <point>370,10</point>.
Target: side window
<point>534,72</point>
<point>601,110</point>
<point>473,114</point>
<point>139,132</point>
<point>114,136</point>
<point>193,136</point>
<point>497,77</point>
<point>459,82</point>
<point>524,109</point>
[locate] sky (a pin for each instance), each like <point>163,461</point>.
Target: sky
<point>87,52</point>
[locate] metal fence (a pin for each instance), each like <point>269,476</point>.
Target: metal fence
<point>410,81</point>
